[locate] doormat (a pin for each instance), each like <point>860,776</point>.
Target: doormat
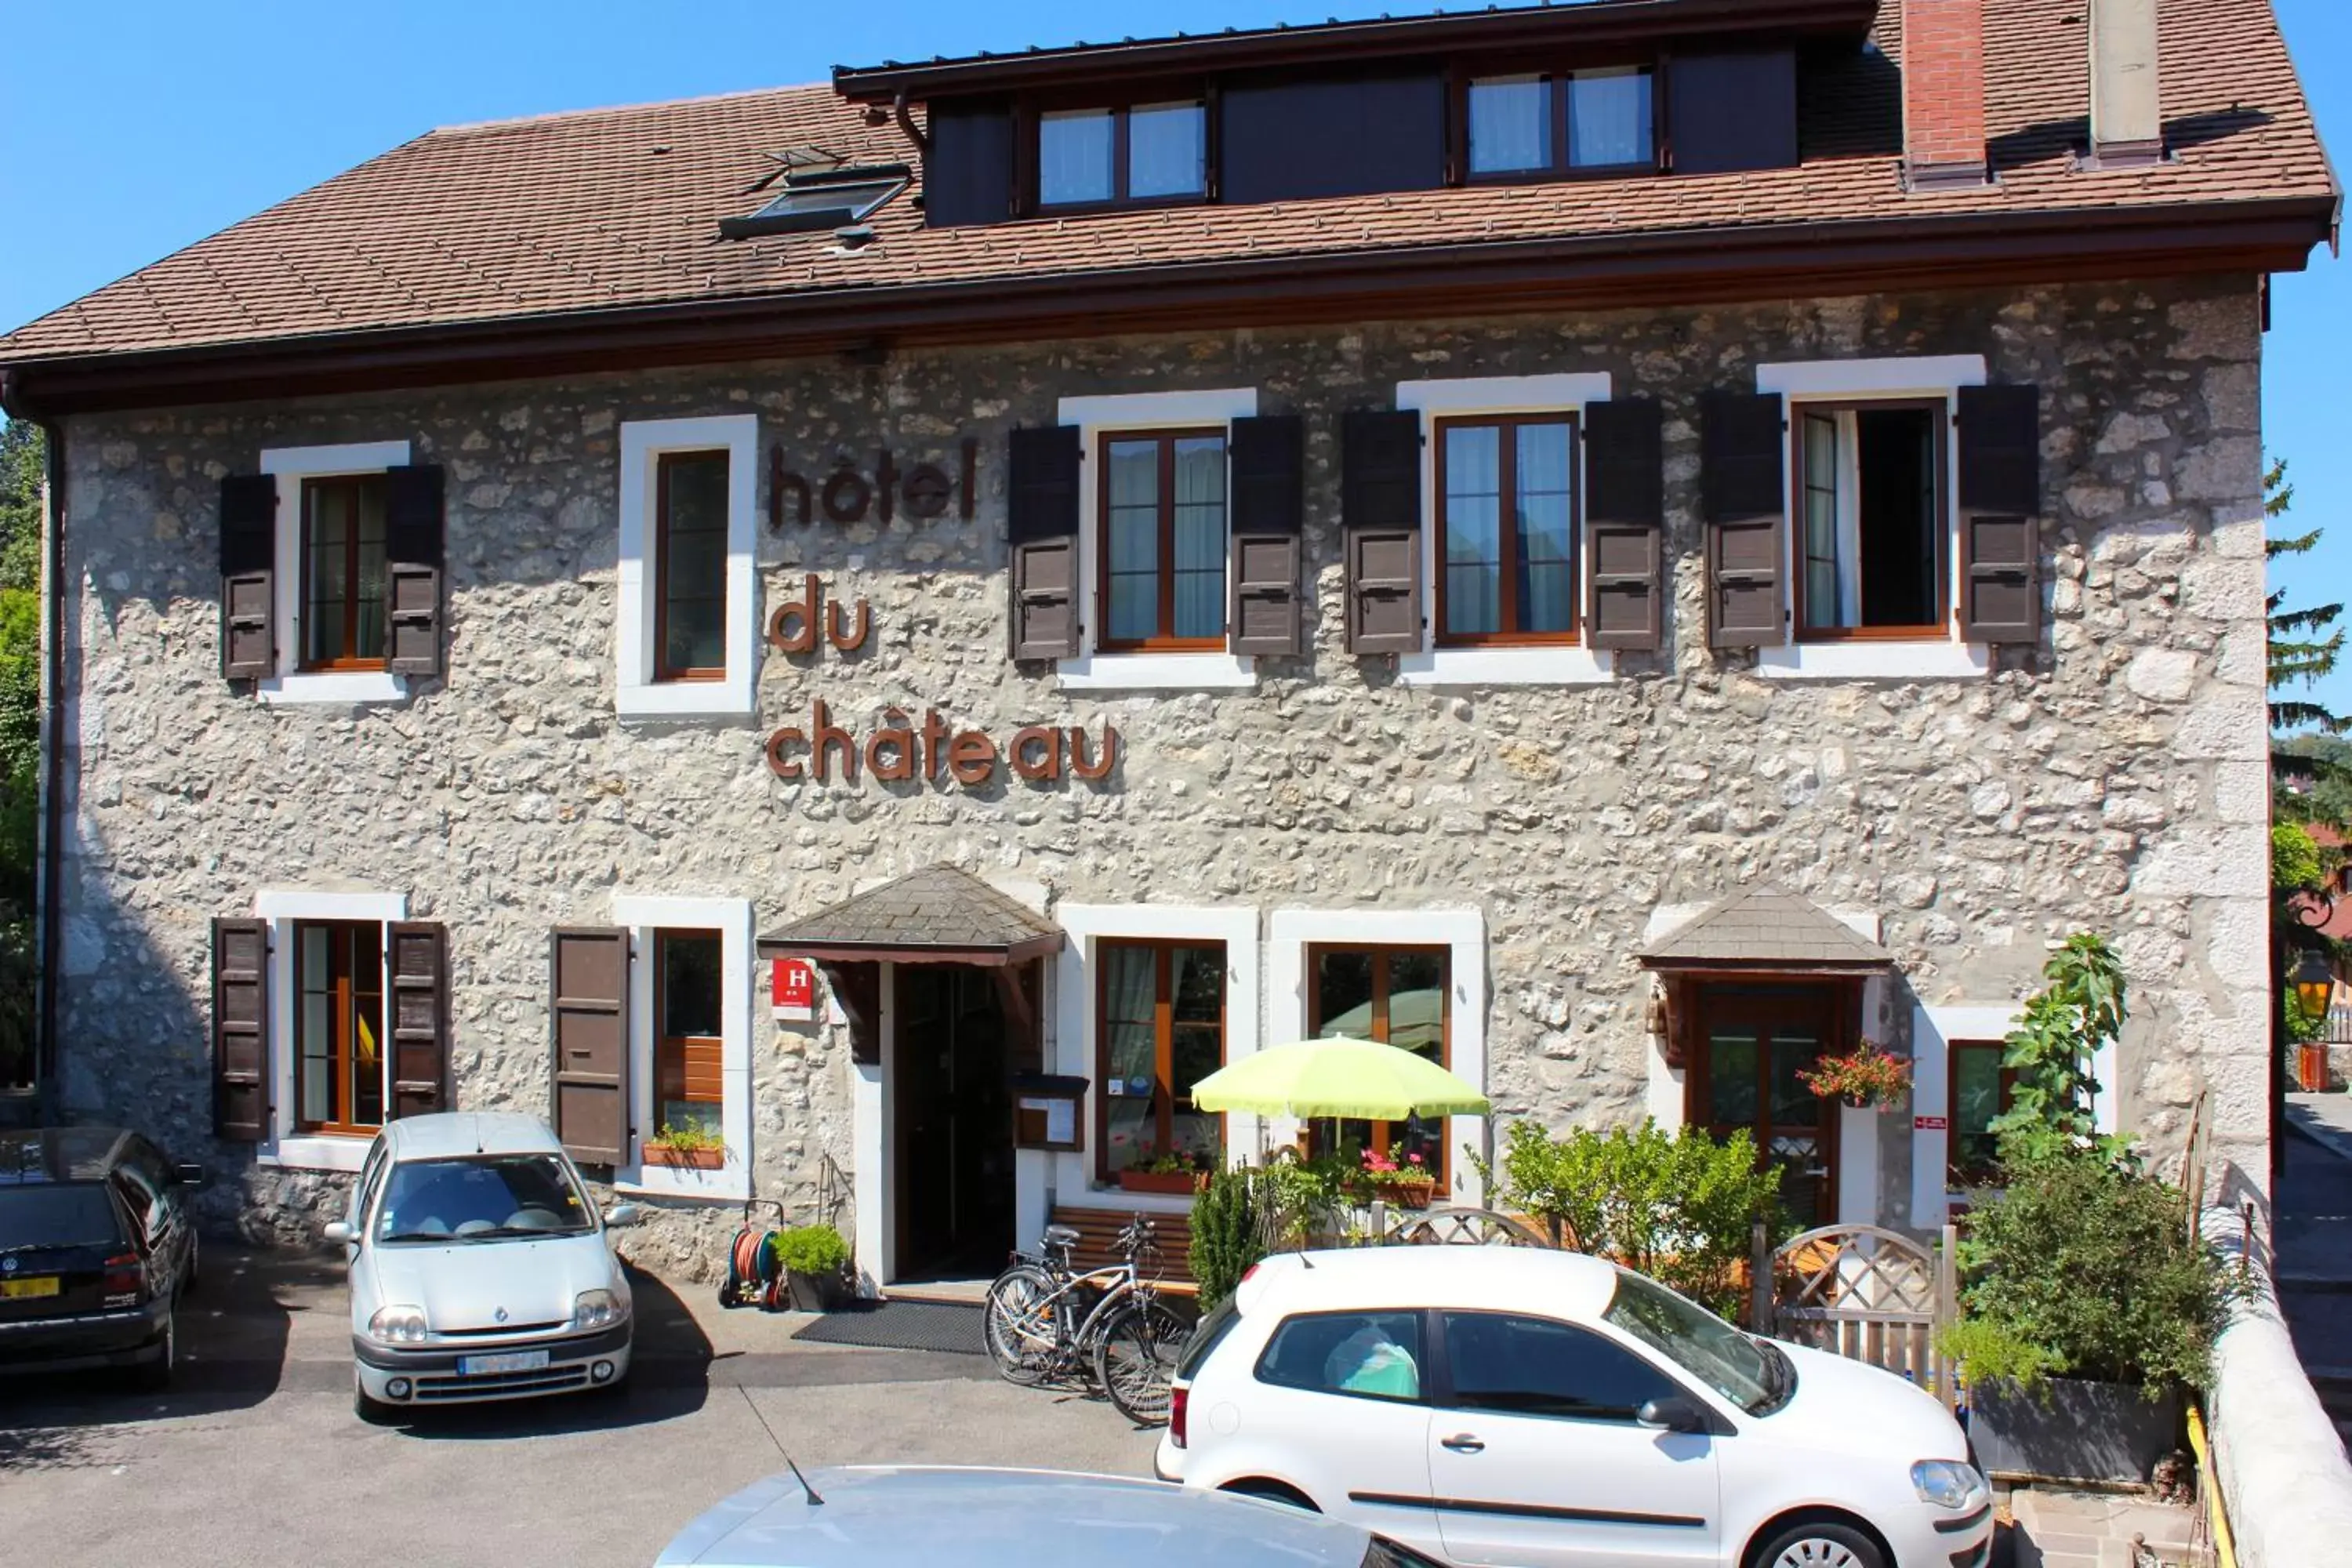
<point>901,1326</point>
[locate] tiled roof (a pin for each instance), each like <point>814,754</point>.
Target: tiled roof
<point>1763,929</point>
<point>610,208</point>
<point>938,907</point>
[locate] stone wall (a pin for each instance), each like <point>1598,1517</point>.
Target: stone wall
<point>2112,780</point>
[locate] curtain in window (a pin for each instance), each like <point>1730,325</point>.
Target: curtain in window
<point>1201,538</point>
<point>1131,1055</point>
<point>1073,156</point>
<point>1167,150</point>
<point>1609,118</point>
<point>1824,605</point>
<point>1131,532</point>
<point>1546,537</point>
<point>1473,545</point>
<point>316,1024</point>
<point>1511,124</point>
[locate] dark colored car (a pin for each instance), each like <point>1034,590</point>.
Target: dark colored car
<point>97,1247</point>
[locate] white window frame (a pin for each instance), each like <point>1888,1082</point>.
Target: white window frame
<point>636,694</point>
<point>282,908</point>
<point>1461,931</point>
<point>1075,1035</point>
<point>1098,416</point>
<point>643,915</point>
<point>1434,400</point>
<point>1945,658</point>
<point>292,684</point>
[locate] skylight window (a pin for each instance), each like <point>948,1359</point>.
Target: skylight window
<point>812,201</point>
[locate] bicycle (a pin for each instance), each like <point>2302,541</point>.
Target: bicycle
<point>1046,1321</point>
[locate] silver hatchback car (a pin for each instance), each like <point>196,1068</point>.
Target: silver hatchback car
<point>480,1268</point>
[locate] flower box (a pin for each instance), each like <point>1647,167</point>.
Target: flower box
<point>684,1159</point>
<point>1407,1194</point>
<point>1182,1184</point>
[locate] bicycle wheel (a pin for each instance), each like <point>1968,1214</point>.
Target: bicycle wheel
<point>1135,1359</point>
<point>1019,1324</point>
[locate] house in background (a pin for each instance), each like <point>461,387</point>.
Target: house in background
<point>1625,546</point>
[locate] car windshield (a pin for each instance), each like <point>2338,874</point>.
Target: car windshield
<point>75,1214</point>
<point>1698,1342</point>
<point>481,1198</point>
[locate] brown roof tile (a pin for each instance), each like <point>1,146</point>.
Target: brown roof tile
<point>617,207</point>
<point>1763,928</point>
<point>938,907</point>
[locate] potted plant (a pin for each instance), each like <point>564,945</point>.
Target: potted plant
<point>1408,1186</point>
<point>815,1261</point>
<point>1181,1172</point>
<point>690,1147</point>
<point>1865,1078</point>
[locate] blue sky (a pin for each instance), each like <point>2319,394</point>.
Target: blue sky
<point>136,127</point>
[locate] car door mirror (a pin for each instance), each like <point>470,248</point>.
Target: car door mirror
<point>191,1176</point>
<point>1674,1414</point>
<point>621,1215</point>
<point>339,1232</point>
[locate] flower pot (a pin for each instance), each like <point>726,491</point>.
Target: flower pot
<point>815,1292</point>
<point>1182,1184</point>
<point>684,1159</point>
<point>1407,1194</point>
<point>2072,1430</point>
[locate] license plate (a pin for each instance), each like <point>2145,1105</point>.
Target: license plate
<point>512,1361</point>
<point>41,1285</point>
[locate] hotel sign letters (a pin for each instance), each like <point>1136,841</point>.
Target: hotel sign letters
<point>849,495</point>
<point>901,749</point>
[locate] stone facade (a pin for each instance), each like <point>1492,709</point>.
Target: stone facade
<point>2112,780</point>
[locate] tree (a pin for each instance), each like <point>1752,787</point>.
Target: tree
<point>2304,647</point>
<point>2059,1035</point>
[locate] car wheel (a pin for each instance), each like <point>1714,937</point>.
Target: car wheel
<point>156,1375</point>
<point>1819,1545</point>
<point>374,1412</point>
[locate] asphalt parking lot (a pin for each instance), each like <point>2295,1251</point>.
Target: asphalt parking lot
<point>255,1457</point>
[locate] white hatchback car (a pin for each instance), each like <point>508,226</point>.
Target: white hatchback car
<point>480,1268</point>
<point>1502,1404</point>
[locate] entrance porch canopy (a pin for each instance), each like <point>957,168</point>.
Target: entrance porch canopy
<point>1766,931</point>
<point>936,915</point>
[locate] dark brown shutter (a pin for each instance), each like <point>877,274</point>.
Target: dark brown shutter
<point>2001,499</point>
<point>241,1030</point>
<point>588,982</point>
<point>1043,497</point>
<point>1380,511</point>
<point>1269,455</point>
<point>248,567</point>
<point>413,553</point>
<point>1743,451</point>
<point>420,1016</point>
<point>1625,518</point>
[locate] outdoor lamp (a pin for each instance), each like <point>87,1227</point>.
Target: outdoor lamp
<point>2314,983</point>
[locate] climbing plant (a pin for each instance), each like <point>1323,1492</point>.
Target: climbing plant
<point>2064,1026</point>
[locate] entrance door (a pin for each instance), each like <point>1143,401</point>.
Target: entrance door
<point>954,1123</point>
<point>1756,1039</point>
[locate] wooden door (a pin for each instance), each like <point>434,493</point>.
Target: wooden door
<point>1754,1040</point>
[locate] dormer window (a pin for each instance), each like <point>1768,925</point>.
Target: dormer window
<point>1137,153</point>
<point>1571,120</point>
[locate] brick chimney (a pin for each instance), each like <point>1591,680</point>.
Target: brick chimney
<point>2126,109</point>
<point>1943,94</point>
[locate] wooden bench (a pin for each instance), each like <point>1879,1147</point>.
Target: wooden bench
<point>1098,1235</point>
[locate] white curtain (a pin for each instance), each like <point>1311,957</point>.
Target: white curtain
<point>1608,114</point>
<point>1474,520</point>
<point>1511,124</point>
<point>1074,150</point>
<point>1167,150</point>
<point>1201,538</point>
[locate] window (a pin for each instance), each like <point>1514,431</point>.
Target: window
<point>689,1052</point>
<point>1871,522</point>
<point>343,573</point>
<point>690,566</point>
<point>339,1068</point>
<point>1533,1366</point>
<point>1374,1355</point>
<point>1399,996</point>
<point>483,1198</point>
<point>1980,1091</point>
<point>1160,1029</point>
<point>1147,151</point>
<point>1507,492</point>
<point>1530,124</point>
<point>835,198</point>
<point>1696,1341</point>
<point>1163,540</point>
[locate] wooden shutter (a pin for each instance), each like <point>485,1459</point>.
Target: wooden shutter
<point>419,953</point>
<point>1380,511</point>
<point>1743,452</point>
<point>249,573</point>
<point>1269,455</point>
<point>1043,488</point>
<point>2001,499</point>
<point>1624,520</point>
<point>241,1030</point>
<point>413,553</point>
<point>588,983</point>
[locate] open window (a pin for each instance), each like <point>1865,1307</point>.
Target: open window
<point>1981,1089</point>
<point>1872,535</point>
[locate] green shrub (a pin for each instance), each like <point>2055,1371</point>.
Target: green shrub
<point>2085,1267</point>
<point>2061,1030</point>
<point>1680,1208</point>
<point>1228,1233</point>
<point>812,1249</point>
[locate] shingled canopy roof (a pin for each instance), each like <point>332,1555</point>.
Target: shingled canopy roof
<point>937,915</point>
<point>1767,931</point>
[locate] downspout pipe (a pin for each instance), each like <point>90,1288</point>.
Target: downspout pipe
<point>48,1079</point>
